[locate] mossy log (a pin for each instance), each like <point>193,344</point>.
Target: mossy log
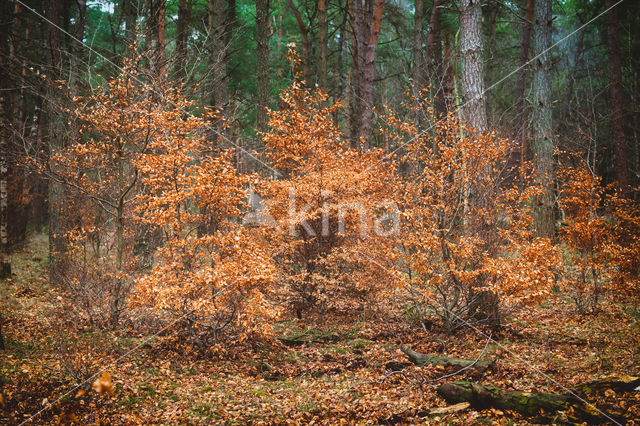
<point>309,336</point>
<point>435,360</point>
<point>528,404</point>
<point>622,383</point>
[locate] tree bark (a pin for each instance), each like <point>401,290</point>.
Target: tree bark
<point>323,30</point>
<point>521,115</point>
<point>262,51</point>
<point>156,38</point>
<point>76,50</point>
<point>435,60</point>
<point>418,54</point>
<point>616,97</point>
<point>130,9</point>
<point>366,22</point>
<point>543,146</point>
<point>57,246</point>
<point>182,36</point>
<point>5,119</point>
<point>491,58</point>
<point>218,56</point>
<point>471,48</point>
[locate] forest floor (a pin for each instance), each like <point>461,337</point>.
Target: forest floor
<point>342,378</point>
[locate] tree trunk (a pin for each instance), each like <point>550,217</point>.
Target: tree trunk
<point>491,57</point>
<point>435,60</point>
<point>13,101</point>
<point>447,70</point>
<point>473,75</point>
<point>130,10</point>
<point>521,115</point>
<point>156,38</point>
<point>5,118</point>
<point>262,51</point>
<point>418,54</point>
<point>323,30</point>
<point>182,36</point>
<point>76,51</point>
<point>616,96</point>
<point>57,246</point>
<point>542,121</point>
<point>576,65</point>
<point>367,19</point>
<point>218,57</point>
<point>339,80</point>
<point>435,360</point>
<point>1,335</point>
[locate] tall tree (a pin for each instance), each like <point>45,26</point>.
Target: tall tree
<point>616,97</point>
<point>522,77</point>
<point>218,55</point>
<point>543,145</point>
<point>490,57</point>
<point>130,10</point>
<point>182,35</point>
<point>262,36</point>
<point>418,54</point>
<point>156,37</point>
<point>366,22</point>
<point>57,245</point>
<point>434,58</point>
<point>5,119</point>
<point>323,31</point>
<point>471,48</point>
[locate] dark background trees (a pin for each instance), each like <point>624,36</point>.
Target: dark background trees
<point>581,95</point>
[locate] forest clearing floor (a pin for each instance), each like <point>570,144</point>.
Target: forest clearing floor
<point>342,376</point>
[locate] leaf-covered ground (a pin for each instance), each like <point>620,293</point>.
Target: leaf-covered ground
<point>341,375</point>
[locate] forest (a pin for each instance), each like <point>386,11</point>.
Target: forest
<point>319,212</point>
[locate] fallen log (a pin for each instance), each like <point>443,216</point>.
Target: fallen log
<point>309,336</point>
<point>436,360</point>
<point>621,383</point>
<point>528,404</point>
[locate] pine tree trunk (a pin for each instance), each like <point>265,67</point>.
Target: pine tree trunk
<point>491,57</point>
<point>521,115</point>
<point>542,121</point>
<point>57,246</point>
<point>367,19</point>
<point>15,108</point>
<point>155,38</point>
<point>5,263</point>
<point>184,20</point>
<point>616,97</point>
<point>74,61</point>
<point>218,57</point>
<point>418,54</point>
<point>130,10</point>
<point>262,50</point>
<point>473,75</point>
<point>323,30</point>
<point>435,60</point>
